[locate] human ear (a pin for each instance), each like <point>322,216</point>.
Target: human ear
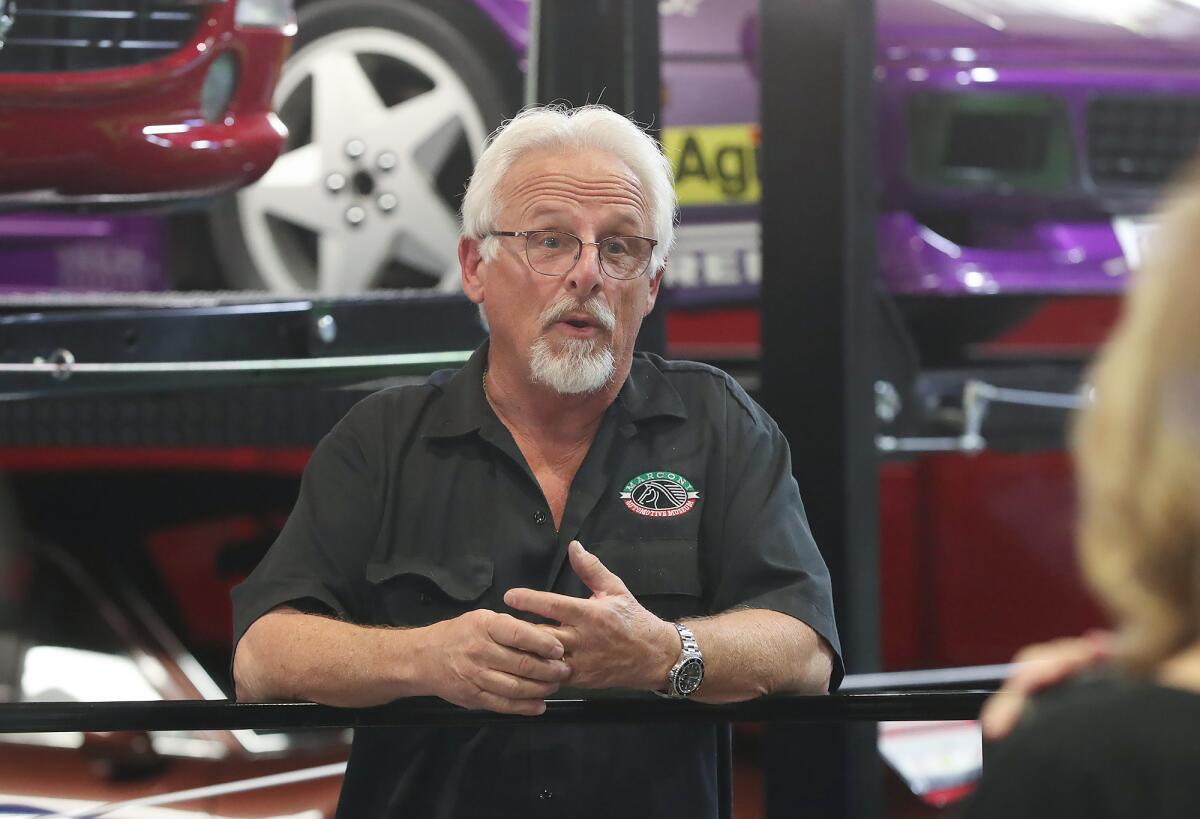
<point>470,261</point>
<point>655,282</point>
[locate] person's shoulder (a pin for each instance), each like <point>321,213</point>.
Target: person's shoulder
<point>697,382</point>
<point>1104,714</point>
<point>391,405</point>
<point>1098,747</point>
<point>396,399</point>
<point>1106,699</point>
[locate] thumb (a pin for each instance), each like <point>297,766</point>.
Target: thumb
<point>592,572</point>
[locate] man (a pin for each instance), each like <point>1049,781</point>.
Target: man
<point>559,512</point>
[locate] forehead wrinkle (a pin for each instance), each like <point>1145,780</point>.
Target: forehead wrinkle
<point>617,189</point>
<point>623,176</point>
<point>556,197</point>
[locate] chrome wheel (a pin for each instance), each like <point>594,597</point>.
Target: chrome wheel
<point>382,134</point>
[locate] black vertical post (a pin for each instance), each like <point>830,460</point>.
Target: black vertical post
<point>600,51</point>
<point>818,245</point>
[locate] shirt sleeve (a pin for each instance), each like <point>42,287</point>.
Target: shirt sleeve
<point>768,558</point>
<point>316,563</point>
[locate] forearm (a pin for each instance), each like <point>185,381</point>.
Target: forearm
<point>288,655</point>
<point>752,652</point>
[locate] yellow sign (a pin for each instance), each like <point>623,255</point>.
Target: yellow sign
<point>714,164</point>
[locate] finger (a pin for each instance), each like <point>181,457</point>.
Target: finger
<point>594,574</point>
<point>547,604</point>
<point>509,631</point>
<point>567,635</point>
<point>514,688</point>
<point>503,705</point>
<point>1103,644</point>
<point>1000,714</point>
<point>1043,666</point>
<point>1039,667</point>
<point>527,666</point>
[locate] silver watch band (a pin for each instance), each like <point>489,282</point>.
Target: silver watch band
<point>688,672</point>
<point>687,638</point>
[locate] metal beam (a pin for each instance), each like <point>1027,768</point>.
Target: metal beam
<point>600,51</point>
<point>194,715</point>
<point>819,337</point>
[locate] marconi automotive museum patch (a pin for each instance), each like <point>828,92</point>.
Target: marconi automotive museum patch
<point>659,495</point>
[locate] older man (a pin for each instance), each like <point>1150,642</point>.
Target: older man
<point>559,512</point>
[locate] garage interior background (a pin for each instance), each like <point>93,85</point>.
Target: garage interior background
<point>919,354</point>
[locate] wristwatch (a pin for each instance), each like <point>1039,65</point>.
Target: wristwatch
<point>687,674</point>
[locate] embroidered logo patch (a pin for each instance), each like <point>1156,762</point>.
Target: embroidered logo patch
<point>659,495</point>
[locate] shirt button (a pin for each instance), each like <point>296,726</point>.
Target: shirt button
<point>546,794</point>
<point>539,517</point>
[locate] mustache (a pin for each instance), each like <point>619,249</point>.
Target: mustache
<point>597,310</point>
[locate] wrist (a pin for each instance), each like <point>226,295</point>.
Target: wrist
<point>404,654</point>
<point>667,646</point>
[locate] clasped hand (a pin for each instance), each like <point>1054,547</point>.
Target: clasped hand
<point>609,640</point>
<point>485,659</point>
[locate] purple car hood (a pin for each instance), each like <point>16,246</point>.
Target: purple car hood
<point>1142,31</point>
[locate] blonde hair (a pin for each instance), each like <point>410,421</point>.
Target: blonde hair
<point>1137,450</point>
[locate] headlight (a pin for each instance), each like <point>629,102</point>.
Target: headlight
<point>1003,142</point>
<point>265,13</point>
<point>218,88</point>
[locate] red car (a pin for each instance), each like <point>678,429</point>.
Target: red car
<point>125,100</point>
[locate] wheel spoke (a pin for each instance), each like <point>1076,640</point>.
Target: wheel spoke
<point>349,260</point>
<point>294,169</point>
<point>343,97</point>
<point>290,191</point>
<point>427,216</point>
<point>431,231</point>
<point>425,127</point>
<point>431,154</point>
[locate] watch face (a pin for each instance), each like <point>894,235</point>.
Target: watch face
<point>687,680</point>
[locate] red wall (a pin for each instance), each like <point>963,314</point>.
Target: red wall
<point>977,558</point>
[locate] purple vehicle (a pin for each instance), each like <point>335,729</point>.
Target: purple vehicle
<point>1030,139</point>
<point>1023,143</point>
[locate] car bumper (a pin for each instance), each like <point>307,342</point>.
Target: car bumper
<point>140,131</point>
<point>1045,257</point>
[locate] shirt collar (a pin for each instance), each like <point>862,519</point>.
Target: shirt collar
<point>463,408</point>
<point>648,394</point>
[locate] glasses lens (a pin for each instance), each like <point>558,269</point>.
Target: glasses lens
<point>625,257</point>
<point>550,252</point>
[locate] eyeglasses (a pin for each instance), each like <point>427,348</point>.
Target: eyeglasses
<point>555,253</point>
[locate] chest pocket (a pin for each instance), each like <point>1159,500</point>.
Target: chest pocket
<point>415,591</point>
<point>663,574</point>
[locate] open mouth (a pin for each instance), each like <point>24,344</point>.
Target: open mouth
<point>578,322</point>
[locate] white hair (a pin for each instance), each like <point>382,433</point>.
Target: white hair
<point>559,128</point>
<point>581,365</point>
<point>580,368</point>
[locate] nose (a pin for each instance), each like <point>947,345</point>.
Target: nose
<point>585,278</point>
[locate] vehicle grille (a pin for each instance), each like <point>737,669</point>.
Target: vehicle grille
<point>90,35</point>
<point>1140,142</point>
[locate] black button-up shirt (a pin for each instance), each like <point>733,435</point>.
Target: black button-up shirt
<point>419,507</point>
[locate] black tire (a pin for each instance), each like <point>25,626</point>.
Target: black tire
<point>459,34</point>
<point>944,328</point>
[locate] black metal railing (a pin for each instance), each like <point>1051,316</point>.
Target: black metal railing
<point>210,715</point>
<point>1140,142</point>
<point>90,35</point>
